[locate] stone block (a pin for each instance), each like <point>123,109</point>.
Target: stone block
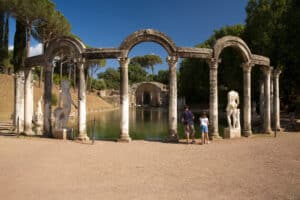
<point>232,133</point>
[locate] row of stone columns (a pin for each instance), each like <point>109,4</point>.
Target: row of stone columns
<point>23,105</point>
<point>172,62</point>
<point>213,98</point>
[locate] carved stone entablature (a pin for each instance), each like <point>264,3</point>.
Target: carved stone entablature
<point>99,53</point>
<point>187,52</point>
<point>260,60</point>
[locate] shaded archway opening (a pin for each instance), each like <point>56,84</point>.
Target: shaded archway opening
<point>230,77</point>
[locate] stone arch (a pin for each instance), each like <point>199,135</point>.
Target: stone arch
<point>148,35</point>
<point>64,42</point>
<point>232,41</point>
<point>156,92</point>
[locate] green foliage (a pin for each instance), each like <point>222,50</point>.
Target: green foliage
<point>111,77</point>
<point>98,84</point>
<point>147,61</point>
<point>272,29</point>
<point>162,77</point>
<point>19,46</point>
<point>54,99</point>
<point>136,73</point>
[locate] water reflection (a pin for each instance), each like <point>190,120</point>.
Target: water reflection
<point>145,123</point>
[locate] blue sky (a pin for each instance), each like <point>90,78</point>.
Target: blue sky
<point>186,22</point>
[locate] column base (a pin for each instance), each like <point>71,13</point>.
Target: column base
<point>215,136</point>
<point>124,138</point>
<point>247,133</point>
<point>29,133</point>
<point>268,131</point>
<point>172,139</point>
<point>83,137</point>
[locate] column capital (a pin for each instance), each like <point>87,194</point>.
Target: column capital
<point>213,62</point>
<point>267,70</point>
<point>247,66</point>
<point>172,60</point>
<point>124,61</point>
<point>276,72</point>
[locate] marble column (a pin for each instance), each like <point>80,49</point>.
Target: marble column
<point>267,105</point>
<point>28,109</point>
<point>19,101</point>
<point>82,103</point>
<point>247,130</point>
<point>172,62</point>
<point>276,74</point>
<point>47,100</point>
<point>213,98</point>
<point>124,98</point>
<point>261,101</point>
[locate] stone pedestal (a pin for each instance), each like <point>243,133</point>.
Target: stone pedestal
<point>62,133</point>
<point>232,133</point>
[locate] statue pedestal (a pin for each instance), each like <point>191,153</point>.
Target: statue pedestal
<point>232,133</point>
<point>64,133</point>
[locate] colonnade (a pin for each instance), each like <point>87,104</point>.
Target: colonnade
<point>174,52</point>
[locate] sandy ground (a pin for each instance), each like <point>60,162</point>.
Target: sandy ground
<point>260,167</point>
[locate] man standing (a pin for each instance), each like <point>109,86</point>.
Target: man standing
<point>188,122</point>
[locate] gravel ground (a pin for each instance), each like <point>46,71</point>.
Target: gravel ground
<point>260,167</point>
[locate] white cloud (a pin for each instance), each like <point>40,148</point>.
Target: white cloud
<point>34,50</point>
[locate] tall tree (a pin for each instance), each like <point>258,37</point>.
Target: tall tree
<point>147,61</point>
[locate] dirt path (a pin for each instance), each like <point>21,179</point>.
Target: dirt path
<point>246,168</point>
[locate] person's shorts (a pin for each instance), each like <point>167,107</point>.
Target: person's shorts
<point>189,128</point>
<point>203,129</point>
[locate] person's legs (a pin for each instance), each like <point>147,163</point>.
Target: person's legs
<point>207,139</point>
<point>192,132</point>
<point>187,133</point>
<point>202,137</point>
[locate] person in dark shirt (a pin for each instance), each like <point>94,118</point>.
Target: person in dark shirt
<point>188,122</point>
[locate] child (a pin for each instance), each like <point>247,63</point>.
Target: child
<point>204,128</point>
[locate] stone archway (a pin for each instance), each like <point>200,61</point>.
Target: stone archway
<point>153,94</point>
<point>77,48</point>
<point>241,46</point>
<point>249,61</point>
<point>149,35</point>
<point>165,41</point>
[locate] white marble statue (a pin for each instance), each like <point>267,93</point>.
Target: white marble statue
<point>38,117</point>
<point>232,110</point>
<point>62,113</point>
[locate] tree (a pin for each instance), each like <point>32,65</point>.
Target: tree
<point>147,61</point>
<point>136,73</point>
<point>162,77</point>
<point>93,66</point>
<point>111,77</point>
<point>272,29</point>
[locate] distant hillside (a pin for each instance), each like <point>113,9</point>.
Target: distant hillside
<point>94,102</point>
